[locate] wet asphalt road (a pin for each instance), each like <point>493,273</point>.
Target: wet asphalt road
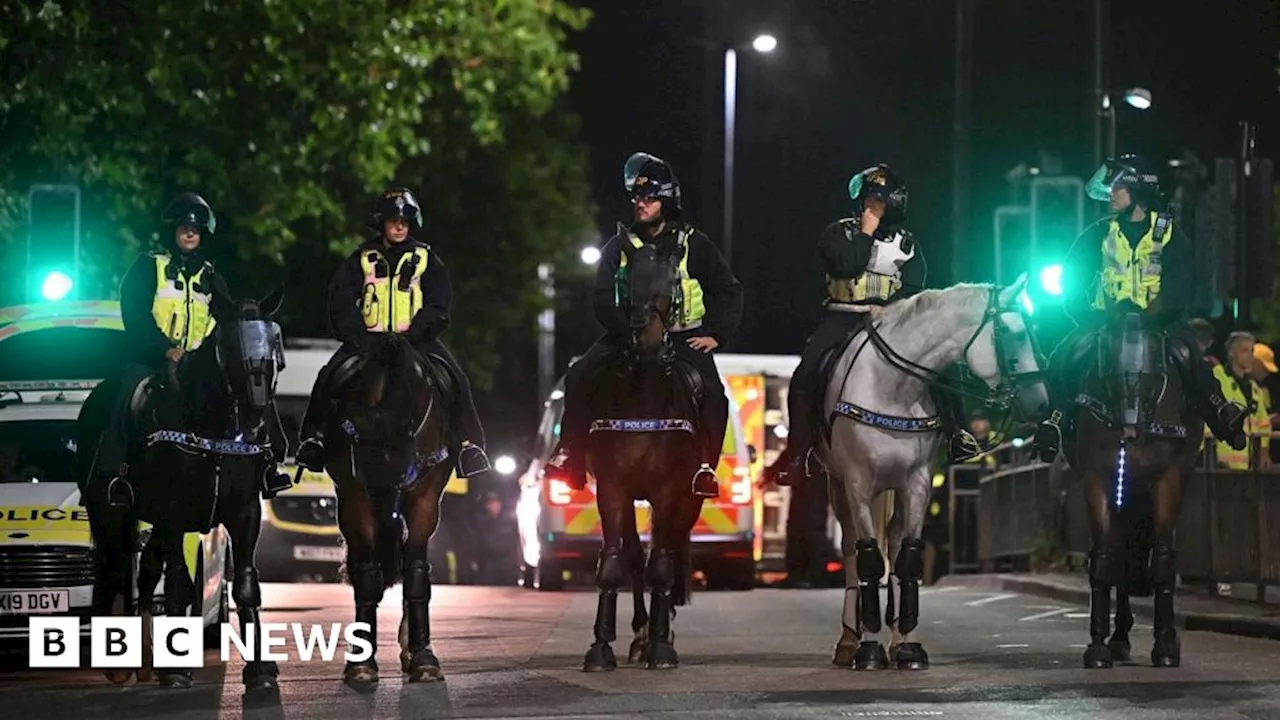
<point>509,652</point>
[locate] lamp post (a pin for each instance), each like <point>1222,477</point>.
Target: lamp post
<point>764,44</point>
<point>589,255</point>
<point>1137,98</point>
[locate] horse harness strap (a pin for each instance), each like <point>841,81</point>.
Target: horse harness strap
<point>440,455</point>
<point>642,425</point>
<point>889,422</point>
<point>205,445</point>
<point>1099,410</point>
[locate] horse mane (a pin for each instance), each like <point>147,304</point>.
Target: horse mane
<point>961,295</point>
<point>396,356</point>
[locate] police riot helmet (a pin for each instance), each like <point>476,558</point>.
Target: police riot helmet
<point>189,210</point>
<point>880,181</point>
<point>1131,172</point>
<point>645,175</point>
<point>397,202</point>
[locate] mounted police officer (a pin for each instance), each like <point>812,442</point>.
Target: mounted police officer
<point>1134,259</point>
<point>710,312</point>
<point>164,304</point>
<point>392,283</point>
<point>870,261</point>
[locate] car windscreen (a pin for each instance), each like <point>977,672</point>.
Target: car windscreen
<point>37,451</point>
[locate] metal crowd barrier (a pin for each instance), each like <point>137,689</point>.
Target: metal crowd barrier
<point>1228,530</point>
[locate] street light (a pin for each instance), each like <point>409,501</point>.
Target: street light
<point>504,464</point>
<point>588,255</point>
<point>1136,98</point>
<point>764,44</point>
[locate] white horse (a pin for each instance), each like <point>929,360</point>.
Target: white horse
<point>884,435</point>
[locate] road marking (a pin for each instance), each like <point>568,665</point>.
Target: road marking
<point>1050,613</point>
<point>1078,645</point>
<point>935,590</point>
<point>1014,645</point>
<point>994,598</point>
<point>1077,615</point>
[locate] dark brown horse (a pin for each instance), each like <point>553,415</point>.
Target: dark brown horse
<point>643,447</point>
<point>390,461</point>
<point>1136,442</point>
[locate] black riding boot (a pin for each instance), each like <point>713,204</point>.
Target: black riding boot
<point>311,451</point>
<point>790,467</point>
<point>705,484</point>
<point>1224,418</point>
<point>962,446</point>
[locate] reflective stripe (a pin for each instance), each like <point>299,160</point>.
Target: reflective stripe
<point>181,313</point>
<point>385,307</point>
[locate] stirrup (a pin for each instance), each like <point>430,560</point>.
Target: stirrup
<point>472,460</point>
<point>705,484</point>
<point>120,490</point>
<point>275,482</point>
<point>303,458</point>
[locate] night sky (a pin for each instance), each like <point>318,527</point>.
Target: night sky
<point>855,82</point>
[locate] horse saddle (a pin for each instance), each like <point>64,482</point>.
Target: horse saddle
<point>690,378</point>
<point>1125,383</point>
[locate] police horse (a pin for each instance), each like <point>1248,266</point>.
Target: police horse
<point>202,450</point>
<point>1136,441</point>
<point>389,460</point>
<point>643,446</point>
<point>882,433</point>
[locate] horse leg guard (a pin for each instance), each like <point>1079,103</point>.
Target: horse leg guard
<point>610,575</point>
<point>1121,649</point>
<point>1167,651</point>
<point>367,582</point>
<point>1105,571</point>
<point>661,574</point>
<point>258,674</point>
<point>909,567</point>
<point>421,663</point>
<point>871,654</point>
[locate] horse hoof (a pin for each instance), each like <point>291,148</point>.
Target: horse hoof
<point>639,649</point>
<point>663,656</point>
<point>600,658</point>
<point>844,655</point>
<point>425,667</point>
<point>119,676</point>
<point>405,658</point>
<point>870,655</point>
<point>1097,657</point>
<point>361,674</point>
<point>1167,653</point>
<point>911,656</point>
<point>1121,650</point>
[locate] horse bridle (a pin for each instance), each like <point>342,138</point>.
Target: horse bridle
<point>1000,397</point>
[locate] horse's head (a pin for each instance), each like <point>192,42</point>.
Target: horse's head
<point>250,352</point>
<point>652,282</point>
<point>1002,352</point>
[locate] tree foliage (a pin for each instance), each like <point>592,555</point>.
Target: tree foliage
<point>289,116</point>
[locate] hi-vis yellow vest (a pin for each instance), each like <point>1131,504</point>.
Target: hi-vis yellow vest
<point>180,307</point>
<point>387,305</point>
<point>1257,425</point>
<point>1129,272</point>
<point>883,277</point>
<point>691,308</point>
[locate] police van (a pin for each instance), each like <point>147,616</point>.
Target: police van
<point>51,357</point>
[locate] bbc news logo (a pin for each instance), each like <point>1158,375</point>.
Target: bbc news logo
<point>178,642</point>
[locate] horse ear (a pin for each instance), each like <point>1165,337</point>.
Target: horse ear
<point>1011,293</point>
<point>270,305</point>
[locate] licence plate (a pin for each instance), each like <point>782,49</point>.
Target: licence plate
<point>312,552</point>
<point>34,602</point>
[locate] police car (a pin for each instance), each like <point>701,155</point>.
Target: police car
<point>46,562</point>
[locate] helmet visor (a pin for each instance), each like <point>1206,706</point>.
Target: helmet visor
<point>631,173</point>
<point>195,216</point>
<point>1107,178</point>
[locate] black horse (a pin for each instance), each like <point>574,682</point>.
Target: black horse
<point>201,449</point>
<point>1136,443</point>
<point>390,415</point>
<point>643,446</point>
